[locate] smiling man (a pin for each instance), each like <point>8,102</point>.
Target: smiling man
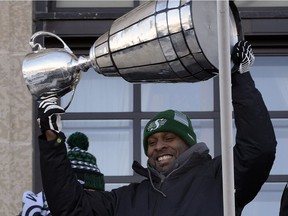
<point>166,137</point>
<point>181,178</point>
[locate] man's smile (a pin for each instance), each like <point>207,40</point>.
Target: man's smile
<point>164,157</point>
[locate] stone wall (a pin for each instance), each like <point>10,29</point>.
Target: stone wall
<point>15,106</point>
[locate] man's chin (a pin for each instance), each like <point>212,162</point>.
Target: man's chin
<point>163,168</point>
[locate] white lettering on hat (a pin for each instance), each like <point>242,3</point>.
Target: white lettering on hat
<point>81,182</point>
<point>181,117</point>
<point>156,124</point>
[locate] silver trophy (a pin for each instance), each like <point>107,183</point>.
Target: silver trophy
<point>52,71</point>
<point>159,41</point>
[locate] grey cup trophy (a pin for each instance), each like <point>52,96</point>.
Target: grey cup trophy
<point>159,41</point>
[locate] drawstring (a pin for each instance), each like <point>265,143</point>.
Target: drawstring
<point>150,179</point>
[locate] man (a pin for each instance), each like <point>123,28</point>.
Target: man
<point>181,177</point>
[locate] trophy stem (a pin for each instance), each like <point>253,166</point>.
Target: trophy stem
<point>84,63</point>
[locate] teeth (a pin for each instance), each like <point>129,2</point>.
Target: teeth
<point>164,157</point>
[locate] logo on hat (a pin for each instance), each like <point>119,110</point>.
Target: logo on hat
<point>156,124</point>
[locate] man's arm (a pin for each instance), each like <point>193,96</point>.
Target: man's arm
<point>50,135</point>
<point>65,195</point>
<point>60,185</point>
<point>255,148</point>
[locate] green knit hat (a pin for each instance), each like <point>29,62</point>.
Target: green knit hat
<point>83,163</point>
<point>78,139</point>
<point>170,121</point>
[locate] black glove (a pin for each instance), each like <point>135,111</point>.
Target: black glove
<point>242,57</point>
<point>49,114</point>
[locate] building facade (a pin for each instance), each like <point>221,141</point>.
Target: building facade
<point>15,107</point>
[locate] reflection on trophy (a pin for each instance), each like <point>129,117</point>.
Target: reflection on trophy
<point>159,41</point>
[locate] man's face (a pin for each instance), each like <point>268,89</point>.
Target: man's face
<point>163,149</point>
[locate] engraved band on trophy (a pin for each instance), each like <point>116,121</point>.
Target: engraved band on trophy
<point>158,41</point>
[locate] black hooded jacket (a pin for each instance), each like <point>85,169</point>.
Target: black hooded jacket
<point>193,188</point>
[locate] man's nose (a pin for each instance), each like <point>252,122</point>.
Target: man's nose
<point>160,145</point>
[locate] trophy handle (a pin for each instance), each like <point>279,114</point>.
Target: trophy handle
<point>33,45</point>
<point>73,93</point>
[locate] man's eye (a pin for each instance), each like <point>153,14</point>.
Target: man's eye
<point>169,138</point>
<point>151,143</point>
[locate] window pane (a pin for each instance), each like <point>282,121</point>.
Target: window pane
<point>110,142</point>
<point>93,3</point>
<point>203,130</point>
<point>267,202</point>
<point>97,93</point>
<point>179,96</point>
<point>270,75</point>
<point>280,165</point>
